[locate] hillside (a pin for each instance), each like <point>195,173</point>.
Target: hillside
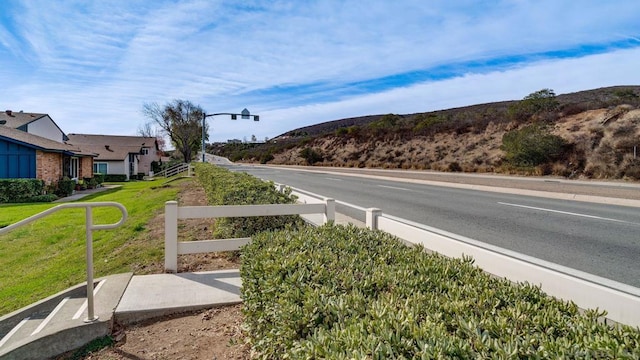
<point>590,134</point>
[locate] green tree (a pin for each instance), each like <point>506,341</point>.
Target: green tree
<point>531,146</point>
<point>626,95</point>
<point>181,120</point>
<point>536,103</point>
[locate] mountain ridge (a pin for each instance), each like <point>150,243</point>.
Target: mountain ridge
<point>588,134</point>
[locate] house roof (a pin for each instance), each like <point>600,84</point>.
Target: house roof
<point>17,119</point>
<point>38,142</point>
<point>112,147</point>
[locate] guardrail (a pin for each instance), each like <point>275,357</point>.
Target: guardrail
<point>173,213</point>
<point>89,228</point>
<point>587,291</point>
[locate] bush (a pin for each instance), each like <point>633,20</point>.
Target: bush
<point>341,292</point>
<point>224,187</point>
<point>455,167</point>
<point>156,166</point>
<point>99,178</point>
<point>311,155</point>
<point>20,190</point>
<point>632,171</point>
<point>65,187</point>
<point>531,145</point>
<point>265,158</point>
<point>42,198</point>
<point>537,103</point>
<point>115,177</point>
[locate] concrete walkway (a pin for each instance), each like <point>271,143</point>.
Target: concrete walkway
<point>79,194</point>
<point>150,296</point>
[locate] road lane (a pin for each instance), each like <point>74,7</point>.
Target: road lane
<point>592,243</point>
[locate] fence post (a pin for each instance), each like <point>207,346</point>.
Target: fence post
<point>372,218</point>
<point>171,236</point>
<point>329,211</point>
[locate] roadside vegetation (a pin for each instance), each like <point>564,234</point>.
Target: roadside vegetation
<point>224,187</point>
<point>339,292</point>
<point>48,255</point>
<point>589,134</point>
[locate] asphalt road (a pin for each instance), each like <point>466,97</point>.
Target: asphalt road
<point>599,239</point>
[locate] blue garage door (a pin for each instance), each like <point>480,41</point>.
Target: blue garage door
<point>16,161</point>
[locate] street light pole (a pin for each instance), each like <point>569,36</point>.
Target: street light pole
<point>245,114</point>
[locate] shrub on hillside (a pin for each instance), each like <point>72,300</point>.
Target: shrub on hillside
<point>539,103</point>
<point>341,292</point>
<point>531,145</point>
<point>310,155</point>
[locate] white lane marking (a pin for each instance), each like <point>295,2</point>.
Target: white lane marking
<point>334,179</point>
<point>395,188</point>
<point>568,213</point>
<point>86,302</point>
<point>50,316</point>
<point>13,331</point>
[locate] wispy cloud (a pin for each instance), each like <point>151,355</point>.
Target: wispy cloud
<point>92,65</point>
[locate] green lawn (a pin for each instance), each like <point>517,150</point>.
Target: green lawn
<point>47,256</point>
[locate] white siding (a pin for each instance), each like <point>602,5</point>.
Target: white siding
<point>118,167</point>
<point>46,128</point>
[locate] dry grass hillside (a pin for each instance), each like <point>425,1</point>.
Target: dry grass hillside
<point>595,133</point>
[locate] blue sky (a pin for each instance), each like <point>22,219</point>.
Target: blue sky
<point>92,65</point>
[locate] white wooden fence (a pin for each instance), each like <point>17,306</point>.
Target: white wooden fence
<point>173,213</point>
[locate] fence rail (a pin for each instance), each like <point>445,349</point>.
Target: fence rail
<point>89,228</point>
<point>173,213</point>
<point>175,170</point>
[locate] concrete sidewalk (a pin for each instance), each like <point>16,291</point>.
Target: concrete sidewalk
<point>150,296</point>
<point>79,194</point>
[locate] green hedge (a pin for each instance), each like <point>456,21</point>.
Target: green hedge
<point>99,177</point>
<point>20,190</point>
<point>224,187</point>
<point>65,187</point>
<point>346,293</point>
<point>115,177</point>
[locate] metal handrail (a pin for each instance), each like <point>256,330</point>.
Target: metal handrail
<point>89,226</point>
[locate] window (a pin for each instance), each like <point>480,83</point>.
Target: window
<point>73,168</point>
<point>144,151</point>
<point>100,167</point>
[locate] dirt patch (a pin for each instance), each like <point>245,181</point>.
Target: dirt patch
<point>209,334</point>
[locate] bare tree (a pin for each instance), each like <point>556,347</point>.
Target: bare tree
<point>148,130</point>
<point>181,120</point>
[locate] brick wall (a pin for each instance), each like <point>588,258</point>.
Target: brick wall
<point>48,166</point>
<point>85,167</point>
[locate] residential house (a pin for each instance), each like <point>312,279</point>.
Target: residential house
<point>33,146</point>
<point>128,155</point>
